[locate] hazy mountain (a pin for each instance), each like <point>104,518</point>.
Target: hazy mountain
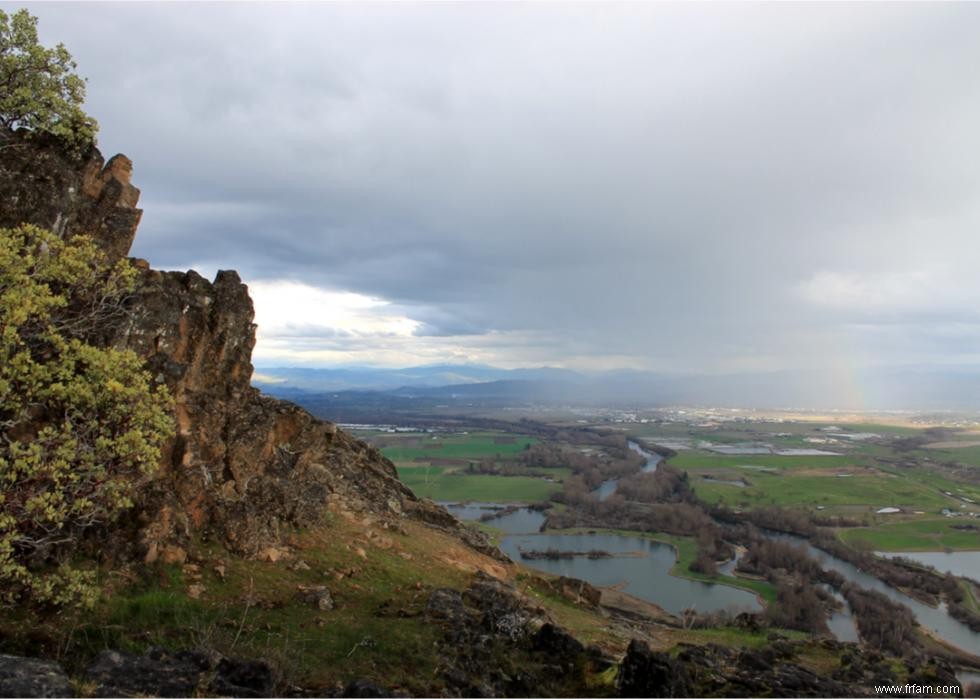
<point>892,388</point>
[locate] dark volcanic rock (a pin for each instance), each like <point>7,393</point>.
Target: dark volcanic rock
<point>714,670</point>
<point>30,677</point>
<point>645,673</point>
<point>116,674</point>
<point>555,641</point>
<point>181,674</point>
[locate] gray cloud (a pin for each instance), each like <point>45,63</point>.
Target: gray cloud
<point>676,186</point>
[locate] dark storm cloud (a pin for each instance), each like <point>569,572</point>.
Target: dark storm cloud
<point>676,186</point>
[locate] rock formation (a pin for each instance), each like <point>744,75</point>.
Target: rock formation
<point>241,467</point>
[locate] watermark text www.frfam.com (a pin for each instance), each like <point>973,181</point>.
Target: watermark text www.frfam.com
<point>919,689</point>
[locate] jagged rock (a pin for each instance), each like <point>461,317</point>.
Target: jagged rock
<point>42,185</point>
<point>446,605</point>
<point>503,611</point>
<point>645,673</point>
<point>181,674</point>
<point>497,642</point>
<point>558,644</point>
<point>30,677</point>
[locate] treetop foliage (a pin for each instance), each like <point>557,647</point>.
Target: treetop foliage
<point>80,425</point>
<point>39,89</point>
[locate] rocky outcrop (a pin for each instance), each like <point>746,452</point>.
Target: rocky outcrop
<point>241,467</point>
<point>719,671</point>
<point>41,184</point>
<point>31,677</point>
<point>499,642</point>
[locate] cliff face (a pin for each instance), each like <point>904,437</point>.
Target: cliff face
<point>241,466</point>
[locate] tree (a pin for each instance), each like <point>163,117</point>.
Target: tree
<point>39,89</point>
<point>80,425</point>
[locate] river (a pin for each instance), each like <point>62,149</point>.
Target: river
<point>607,488</point>
<point>935,619</point>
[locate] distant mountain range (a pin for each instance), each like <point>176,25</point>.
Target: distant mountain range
<point>892,388</point>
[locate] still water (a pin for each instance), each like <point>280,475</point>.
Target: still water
<point>523,521</point>
<point>640,567</point>
<point>963,563</point>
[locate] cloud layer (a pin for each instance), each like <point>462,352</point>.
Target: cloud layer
<point>699,187</point>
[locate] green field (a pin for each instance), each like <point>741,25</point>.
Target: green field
<point>963,455</point>
<point>919,535</point>
<point>476,445</point>
<point>444,484</point>
<point>700,460</point>
<point>793,490</point>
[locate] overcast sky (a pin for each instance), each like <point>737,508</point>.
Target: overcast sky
<point>709,187</point>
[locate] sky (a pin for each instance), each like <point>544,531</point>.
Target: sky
<point>712,188</point>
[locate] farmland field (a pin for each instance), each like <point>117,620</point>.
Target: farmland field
<point>475,445</point>
<point>920,535</point>
<point>443,484</point>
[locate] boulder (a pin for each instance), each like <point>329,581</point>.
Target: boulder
<point>645,673</point>
<point>31,677</point>
<point>157,673</point>
<point>181,674</point>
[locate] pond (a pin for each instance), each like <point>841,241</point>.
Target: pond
<point>962,563</point>
<point>640,566</point>
<point>521,521</point>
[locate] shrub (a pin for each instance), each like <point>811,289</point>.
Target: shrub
<point>80,425</point>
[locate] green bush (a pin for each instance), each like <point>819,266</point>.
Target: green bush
<point>80,425</point>
<point>39,90</point>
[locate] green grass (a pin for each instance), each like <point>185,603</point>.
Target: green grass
<point>699,460</point>
<point>918,535</point>
<point>793,491</point>
<point>444,485</point>
<point>253,611</point>
<point>971,600</point>
<point>469,446</point>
